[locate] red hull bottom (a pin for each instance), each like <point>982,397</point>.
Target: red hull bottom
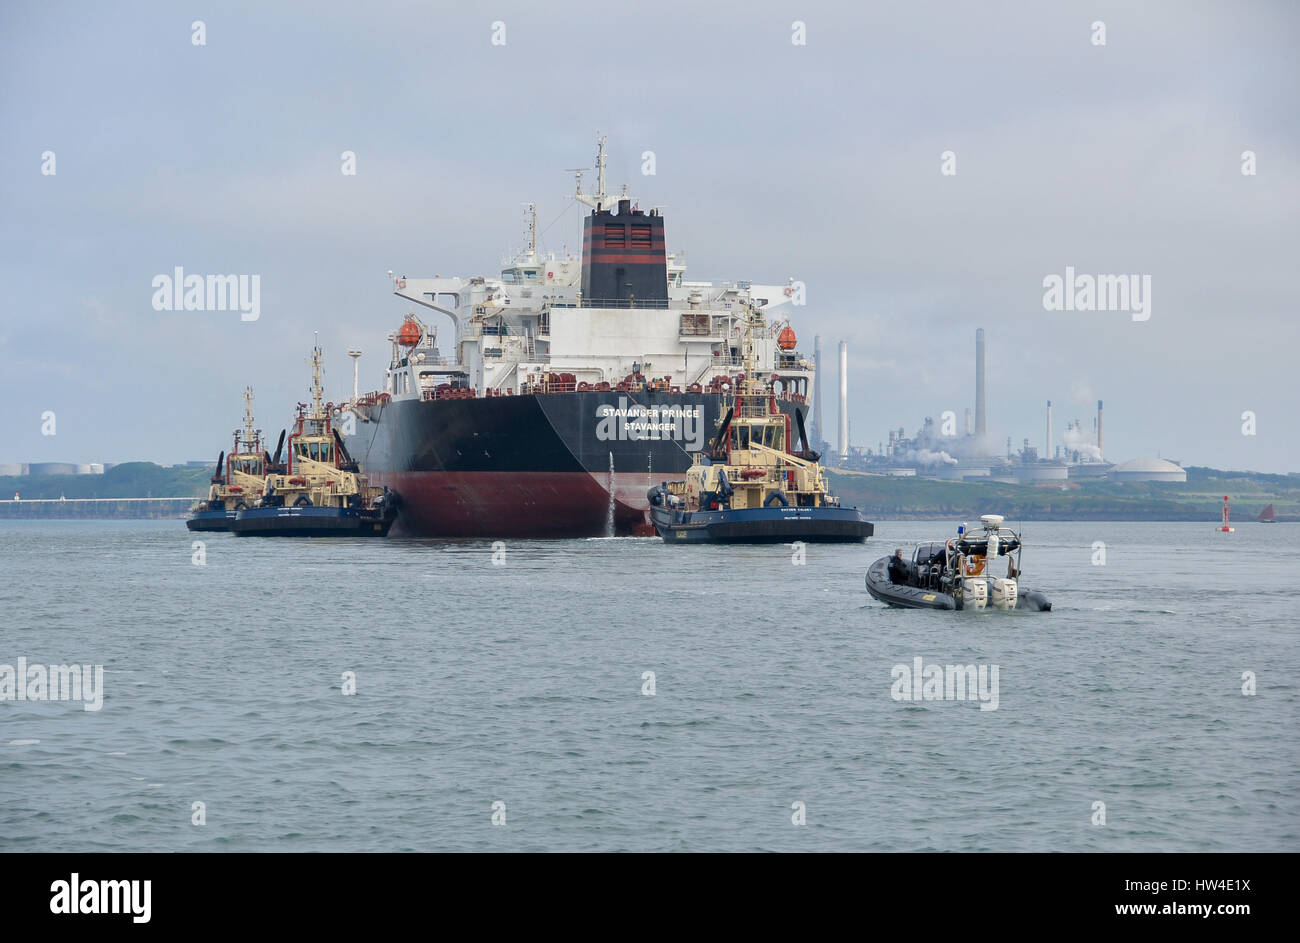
<point>516,504</point>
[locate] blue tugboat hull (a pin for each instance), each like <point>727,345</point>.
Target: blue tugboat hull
<point>313,522</point>
<point>762,525</point>
<point>211,520</point>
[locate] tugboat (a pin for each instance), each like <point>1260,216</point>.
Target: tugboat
<point>750,486</point>
<point>957,573</point>
<point>322,492</point>
<point>237,481</point>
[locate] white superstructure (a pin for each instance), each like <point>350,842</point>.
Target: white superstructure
<point>514,331</point>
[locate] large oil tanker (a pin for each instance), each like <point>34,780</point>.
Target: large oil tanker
<point>569,387</point>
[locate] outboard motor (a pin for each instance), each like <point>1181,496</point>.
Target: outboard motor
<point>977,594</point>
<point>1005,594</point>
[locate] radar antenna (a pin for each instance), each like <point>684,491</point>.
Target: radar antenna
<point>601,198</point>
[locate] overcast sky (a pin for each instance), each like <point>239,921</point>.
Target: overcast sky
<point>819,161</point>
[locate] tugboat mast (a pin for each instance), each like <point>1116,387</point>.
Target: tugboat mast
<point>750,398</point>
<point>249,432</point>
<point>317,390</point>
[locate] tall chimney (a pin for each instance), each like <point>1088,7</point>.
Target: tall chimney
<point>969,426</point>
<point>1099,425</point>
<point>844,399</point>
<point>355,354</point>
<point>1047,450</point>
<point>817,390</point>
<point>981,417</point>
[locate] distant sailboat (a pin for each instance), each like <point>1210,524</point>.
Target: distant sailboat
<point>1267,516</point>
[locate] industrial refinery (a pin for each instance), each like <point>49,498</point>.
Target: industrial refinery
<point>960,451</point>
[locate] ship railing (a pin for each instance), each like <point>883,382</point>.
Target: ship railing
<point>428,362</point>
<point>623,303</point>
<point>447,392</point>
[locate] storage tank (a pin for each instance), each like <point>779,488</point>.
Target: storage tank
<point>1147,469</point>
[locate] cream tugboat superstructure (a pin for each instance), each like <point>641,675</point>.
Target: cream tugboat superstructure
<point>959,573</point>
<point>751,486</point>
<point>238,479</point>
<point>321,492</point>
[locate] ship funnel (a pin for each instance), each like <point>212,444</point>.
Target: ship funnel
<point>623,257</point>
<point>624,261</point>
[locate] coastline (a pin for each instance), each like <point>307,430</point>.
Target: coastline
<point>142,490</point>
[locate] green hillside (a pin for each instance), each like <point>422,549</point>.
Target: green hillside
<point>128,480</point>
<point>1200,498</point>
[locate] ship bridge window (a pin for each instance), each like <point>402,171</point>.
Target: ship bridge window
<point>740,437</point>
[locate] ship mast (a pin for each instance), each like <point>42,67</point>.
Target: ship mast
<point>601,198</point>
<point>248,417</point>
<point>317,390</point>
<point>751,396</point>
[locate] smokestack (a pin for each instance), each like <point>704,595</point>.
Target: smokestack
<point>844,399</point>
<point>969,427</point>
<point>1099,425</point>
<point>1047,451</point>
<point>981,417</point>
<point>817,390</point>
<point>355,354</point>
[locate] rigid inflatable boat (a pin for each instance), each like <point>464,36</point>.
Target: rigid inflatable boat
<point>957,573</point>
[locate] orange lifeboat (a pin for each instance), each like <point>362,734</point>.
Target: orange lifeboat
<point>786,339</point>
<point>409,334</point>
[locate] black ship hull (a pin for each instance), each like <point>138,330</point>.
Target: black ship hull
<point>548,465</point>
